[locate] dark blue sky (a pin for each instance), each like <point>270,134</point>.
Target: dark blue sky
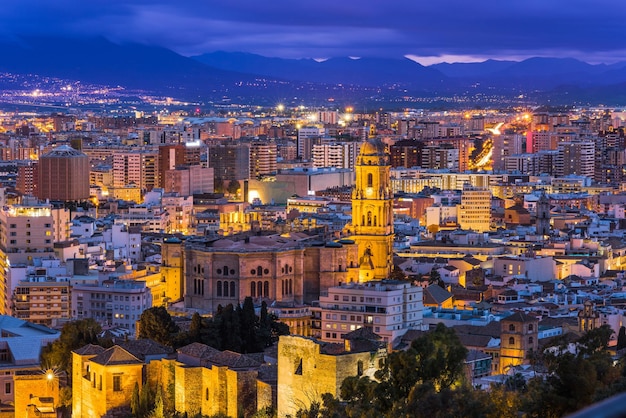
<point>451,30</point>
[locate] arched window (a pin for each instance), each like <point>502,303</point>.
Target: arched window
<point>530,327</point>
<point>370,180</point>
<point>225,289</point>
<point>531,340</point>
<point>259,288</point>
<point>225,270</point>
<point>266,289</point>
<point>369,218</point>
<point>282,287</point>
<point>511,340</point>
<point>375,220</point>
<point>511,327</point>
<point>232,289</point>
<point>259,271</point>
<point>253,289</point>
<point>290,286</point>
<point>219,288</point>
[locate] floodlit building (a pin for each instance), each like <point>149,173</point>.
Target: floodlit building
<point>474,212</point>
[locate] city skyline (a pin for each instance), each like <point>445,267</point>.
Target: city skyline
<point>451,30</point>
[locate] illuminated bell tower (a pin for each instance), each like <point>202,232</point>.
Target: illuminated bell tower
<point>372,212</point>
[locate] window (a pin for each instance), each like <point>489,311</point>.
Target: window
<point>530,327</point>
<point>266,289</point>
<point>531,340</point>
<point>117,383</point>
<point>232,288</point>
<point>7,387</point>
<point>370,180</point>
<point>299,368</point>
<point>253,289</point>
<point>511,327</point>
<point>219,288</point>
<point>511,341</point>
<point>206,394</point>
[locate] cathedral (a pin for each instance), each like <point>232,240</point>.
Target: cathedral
<point>292,269</point>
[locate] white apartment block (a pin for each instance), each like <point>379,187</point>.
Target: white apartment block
<point>389,308</point>
<point>113,302</point>
<point>335,154</point>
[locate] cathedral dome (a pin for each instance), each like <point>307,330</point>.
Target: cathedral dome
<point>372,148</point>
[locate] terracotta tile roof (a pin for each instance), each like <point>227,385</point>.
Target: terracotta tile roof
<point>233,360</point>
<point>89,350</point>
<point>144,348</point>
<point>114,356</point>
<point>363,333</point>
<point>198,350</point>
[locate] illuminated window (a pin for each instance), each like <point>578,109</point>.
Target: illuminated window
<point>117,383</point>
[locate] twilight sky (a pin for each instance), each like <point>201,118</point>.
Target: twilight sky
<point>433,30</point>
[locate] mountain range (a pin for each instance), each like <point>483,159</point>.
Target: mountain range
<point>249,77</point>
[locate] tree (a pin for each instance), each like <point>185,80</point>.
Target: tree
<point>233,187</point>
<point>218,185</point>
<point>134,401</point>
<point>435,278</point>
<point>230,329</point>
<point>195,328</point>
<point>248,327</point>
<point>74,335</point>
<point>621,338</point>
<point>156,324</point>
<point>440,357</point>
<point>397,274</point>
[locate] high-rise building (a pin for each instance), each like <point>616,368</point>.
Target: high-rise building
<point>230,161</point>
<point>475,209</point>
<point>189,180</point>
<point>262,158</point>
<point>576,157</point>
<point>139,167</point>
<point>27,179</point>
<point>504,146</point>
<point>372,212</point>
<point>335,154</point>
<point>170,156</point>
<point>406,153</point>
<point>307,137</point>
<point>26,233</point>
<point>63,174</point>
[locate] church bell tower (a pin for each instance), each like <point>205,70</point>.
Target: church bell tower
<point>372,212</point>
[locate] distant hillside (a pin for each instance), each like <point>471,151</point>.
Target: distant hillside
<point>101,61</point>
<point>248,78</point>
<point>363,71</point>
